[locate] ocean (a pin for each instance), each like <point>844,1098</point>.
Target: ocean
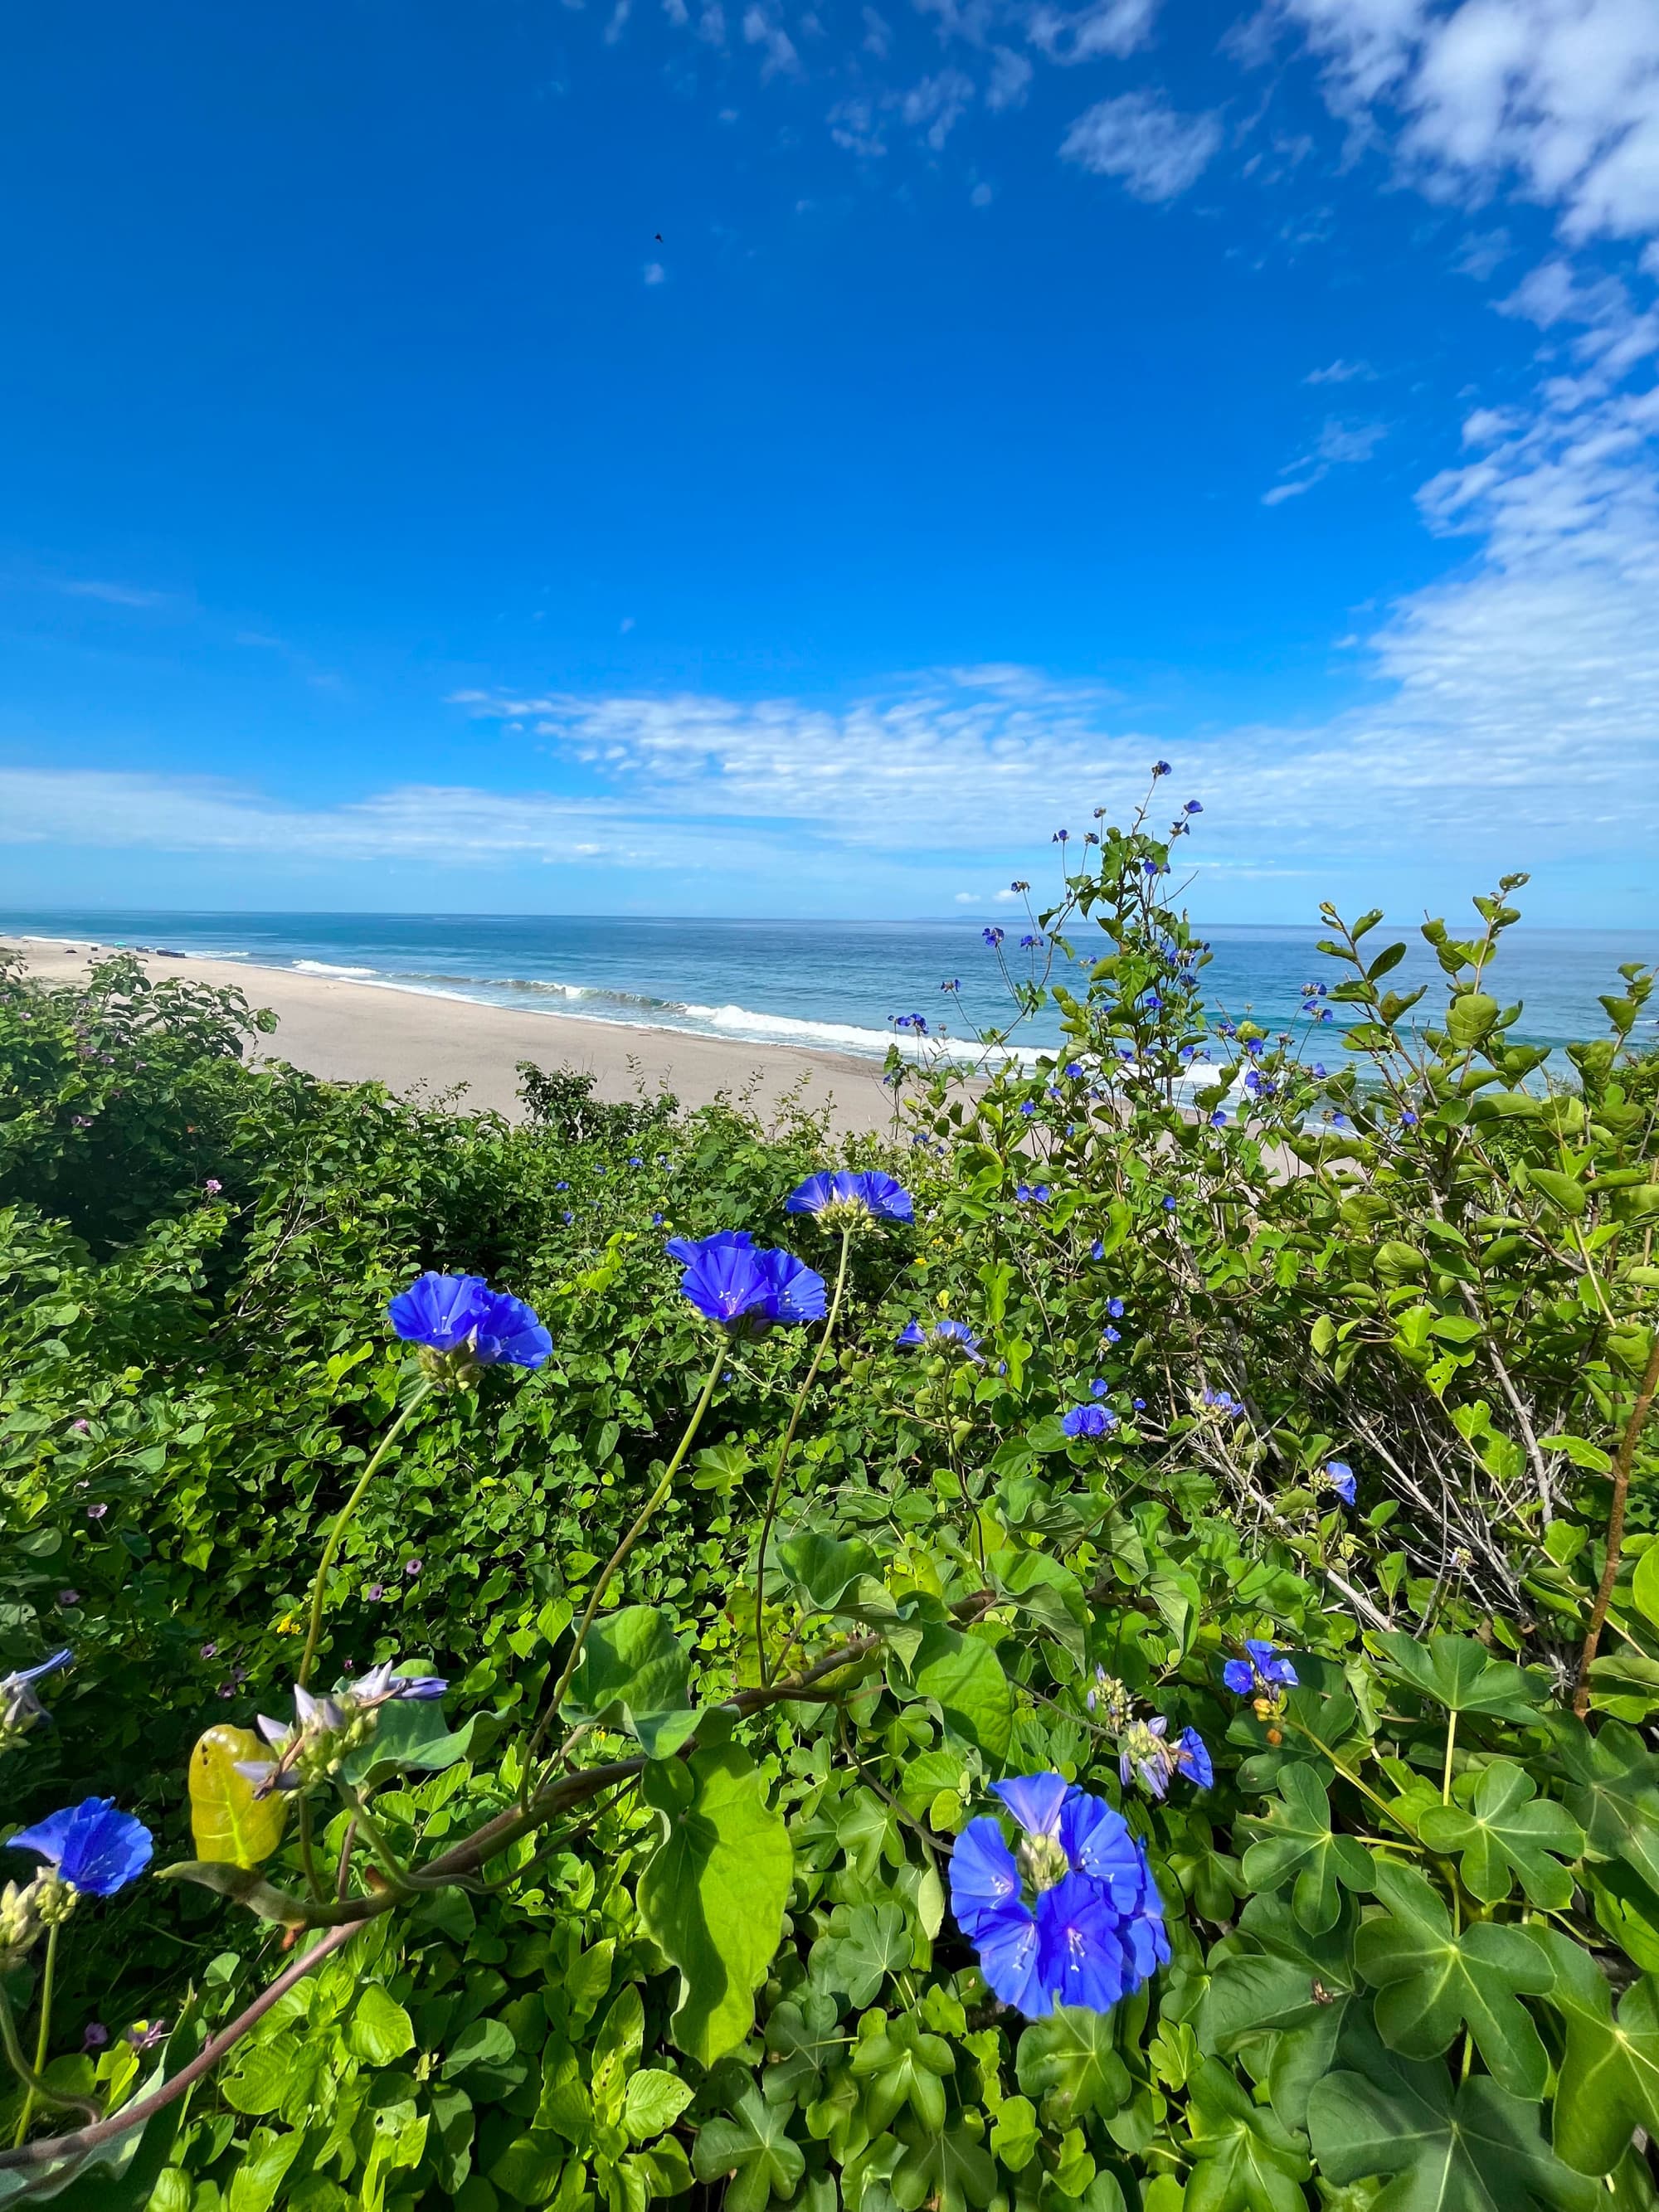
<point>834,986</point>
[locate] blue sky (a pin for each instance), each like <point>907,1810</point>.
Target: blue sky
<point>1015,393</point>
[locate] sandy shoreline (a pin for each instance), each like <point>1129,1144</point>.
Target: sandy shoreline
<point>351,1032</point>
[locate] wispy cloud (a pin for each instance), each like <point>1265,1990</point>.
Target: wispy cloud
<point>1338,445</point>
<point>1156,153</point>
<point>1090,33</point>
<point>1558,95</point>
<point>111,594</point>
<point>1341,372</point>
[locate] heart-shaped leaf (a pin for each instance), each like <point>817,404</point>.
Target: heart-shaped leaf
<point>633,1676</point>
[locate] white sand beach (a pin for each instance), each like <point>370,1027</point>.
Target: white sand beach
<point>418,1044</point>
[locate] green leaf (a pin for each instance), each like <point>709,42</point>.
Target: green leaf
<point>411,1737</point>
<point>752,2152</point>
<point>1069,2063</point>
<point>1470,1018</point>
<point>1047,1594</point>
<point>1609,2079</point>
<point>1613,1792</point>
<point>1644,1583</point>
<point>1459,1674</point>
<point>1505,1830</point>
<point>633,1676</point>
<point>228,1822</point>
<point>864,1943</point>
<point>1295,1838</point>
<point>1477,2150</point>
<point>654,2101</point>
<point>1243,2160</point>
<point>963,1677</point>
<point>946,2168</point>
<point>714,1894</point>
<point>379,2030</point>
<point>1431,1982</point>
<point>823,1567</point>
<point>903,2065</point>
<point>1564,1191</point>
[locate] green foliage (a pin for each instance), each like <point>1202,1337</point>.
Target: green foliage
<point>703,1939</point>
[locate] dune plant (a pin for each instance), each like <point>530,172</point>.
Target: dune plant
<point>1131,1683</point>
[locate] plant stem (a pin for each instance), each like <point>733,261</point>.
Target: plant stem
<point>1446,1772</point>
<point>343,1521</point>
<point>796,1411</point>
<point>34,2088</point>
<point>1645,1392</point>
<point>621,1554</point>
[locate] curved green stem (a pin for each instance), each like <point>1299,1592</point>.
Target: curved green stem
<point>619,1556</point>
<point>35,2091</point>
<point>795,1413</point>
<point>343,1522</point>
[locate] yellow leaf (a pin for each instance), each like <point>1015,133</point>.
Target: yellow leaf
<point>230,1823</point>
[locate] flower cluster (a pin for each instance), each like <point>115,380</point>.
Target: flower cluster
<point>1260,1673</point>
<point>461,1325</point>
<point>90,1850</point>
<point>326,1730</point>
<point>746,1288</point>
<point>20,1708</point>
<point>1144,1748</point>
<point>1089,1421</point>
<point>842,1199</point>
<point>1074,1917</point>
<point>945,1336</point>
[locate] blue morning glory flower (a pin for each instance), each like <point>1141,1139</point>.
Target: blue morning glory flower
<point>20,1708</point>
<point>1262,1671</point>
<point>1193,806</point>
<point>1099,1386</point>
<point>871,1194</point>
<point>1060,838</point>
<point>1093,1928</point>
<point>992,938</point>
<point>948,1335</point>
<point>1028,1106</point>
<point>1112,1336</point>
<point>730,1279</point>
<point>1097,1249</point>
<point>1218,1120</point>
<point>91,1846</point>
<point>1089,1421</point>
<point>1340,1475</point>
<point>440,1311</point>
<point>1115,1307</point>
<point>1073,1070</point>
<point>1160,767</point>
<point>454,1313</point>
<point>508,1333</point>
<point>1027,942</point>
<point>1144,1748</point>
<point>1168,1205</point>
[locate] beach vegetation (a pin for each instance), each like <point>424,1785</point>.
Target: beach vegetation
<point>1101,1649</point>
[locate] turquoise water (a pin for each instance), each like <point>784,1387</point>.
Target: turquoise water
<point>812,983</point>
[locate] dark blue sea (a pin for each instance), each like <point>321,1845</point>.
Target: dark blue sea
<point>835,986</point>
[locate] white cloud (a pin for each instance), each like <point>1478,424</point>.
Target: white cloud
<point>1085,34</point>
<point>112,595</point>
<point>1157,153</point>
<point>853,124</point>
<point>878,34</point>
<point>980,196</point>
<point>759,29</point>
<point>1341,372</point>
<point>618,23</point>
<point>1338,445</point>
<point>937,101</point>
<point>655,273</point>
<point>1010,78</point>
<point>1560,96</point>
